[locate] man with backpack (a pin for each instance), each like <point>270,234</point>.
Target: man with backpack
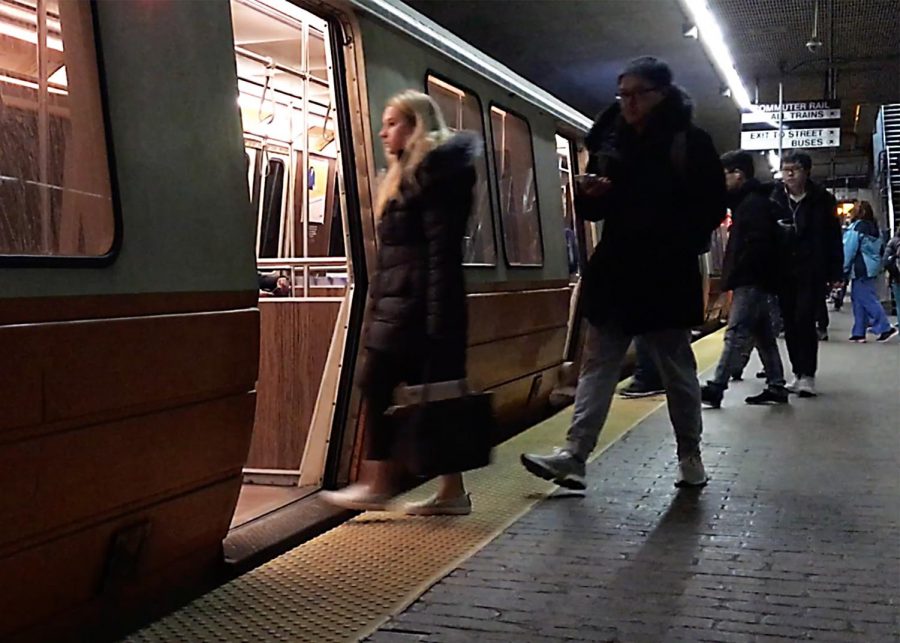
<point>656,182</point>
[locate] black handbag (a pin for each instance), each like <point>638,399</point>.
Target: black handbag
<point>437,433</point>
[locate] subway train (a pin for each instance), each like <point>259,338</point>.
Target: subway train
<point>162,160</point>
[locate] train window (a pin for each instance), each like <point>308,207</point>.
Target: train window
<point>270,232</point>
<point>514,160</point>
<point>564,160</point>
<point>55,191</point>
<point>462,111</point>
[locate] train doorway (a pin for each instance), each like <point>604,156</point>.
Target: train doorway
<point>289,117</point>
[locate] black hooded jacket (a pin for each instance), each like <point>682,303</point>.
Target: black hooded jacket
<point>658,217</point>
<point>418,290</point>
<point>813,250</point>
<point>751,256</point>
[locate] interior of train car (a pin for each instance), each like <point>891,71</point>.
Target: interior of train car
<point>288,111</point>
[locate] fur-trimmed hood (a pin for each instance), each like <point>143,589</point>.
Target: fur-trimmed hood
<point>453,155</point>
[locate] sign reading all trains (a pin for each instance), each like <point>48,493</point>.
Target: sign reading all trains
<point>806,124</point>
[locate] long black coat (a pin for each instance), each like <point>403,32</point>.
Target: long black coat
<point>813,252</point>
<point>658,218</point>
<point>418,291</point>
<point>752,254</point>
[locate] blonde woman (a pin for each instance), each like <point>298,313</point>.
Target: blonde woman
<point>418,329</point>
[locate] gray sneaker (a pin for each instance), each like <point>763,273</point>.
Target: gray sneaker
<point>691,472</point>
<point>806,386</point>
<point>560,467</point>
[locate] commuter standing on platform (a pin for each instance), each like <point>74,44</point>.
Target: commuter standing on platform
<point>658,185</point>
<point>813,258</point>
<point>419,324</point>
<point>863,265</point>
<point>750,271</point>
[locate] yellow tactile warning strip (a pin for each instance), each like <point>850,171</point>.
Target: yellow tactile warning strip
<point>344,584</point>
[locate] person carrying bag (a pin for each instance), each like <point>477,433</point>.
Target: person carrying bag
<point>442,428</point>
<point>418,327</point>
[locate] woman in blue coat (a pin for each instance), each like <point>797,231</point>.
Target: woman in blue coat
<point>862,262</point>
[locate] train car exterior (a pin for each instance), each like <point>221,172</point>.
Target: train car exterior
<point>130,317</point>
<point>186,239</point>
<point>128,320</point>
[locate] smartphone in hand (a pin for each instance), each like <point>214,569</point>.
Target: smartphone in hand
<point>592,185</point>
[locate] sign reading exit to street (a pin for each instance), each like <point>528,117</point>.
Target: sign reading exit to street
<point>806,124</point>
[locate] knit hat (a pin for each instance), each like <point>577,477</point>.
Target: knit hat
<point>739,160</point>
<point>650,69</point>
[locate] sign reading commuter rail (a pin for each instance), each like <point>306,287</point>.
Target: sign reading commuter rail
<point>806,124</point>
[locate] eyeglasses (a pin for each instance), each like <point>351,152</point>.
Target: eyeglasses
<point>791,169</point>
<point>637,93</point>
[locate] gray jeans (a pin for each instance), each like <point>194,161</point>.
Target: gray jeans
<point>604,352</point>
<point>749,322</point>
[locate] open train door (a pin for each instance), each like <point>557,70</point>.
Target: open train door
<point>290,96</point>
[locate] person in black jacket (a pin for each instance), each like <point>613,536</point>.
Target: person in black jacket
<point>659,188</point>
<point>418,327</point>
<point>750,271</point>
<point>813,259</point>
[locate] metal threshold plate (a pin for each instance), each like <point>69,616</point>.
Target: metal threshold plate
<point>342,585</point>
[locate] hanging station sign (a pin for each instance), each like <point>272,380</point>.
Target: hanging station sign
<point>806,124</point>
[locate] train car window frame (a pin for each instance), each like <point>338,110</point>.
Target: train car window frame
<point>537,201</point>
<point>108,258</point>
<point>441,78</point>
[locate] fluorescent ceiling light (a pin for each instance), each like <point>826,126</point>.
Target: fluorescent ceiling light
<point>774,163</point>
<point>59,77</point>
<point>30,85</point>
<point>21,33</point>
<point>714,42</point>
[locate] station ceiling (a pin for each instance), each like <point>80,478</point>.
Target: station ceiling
<point>576,48</point>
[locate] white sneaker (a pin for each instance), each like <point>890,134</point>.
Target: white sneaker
<point>691,472</point>
<point>356,497</point>
<point>434,506</point>
<point>792,387</point>
<point>806,387</point>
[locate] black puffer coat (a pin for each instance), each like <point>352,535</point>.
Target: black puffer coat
<point>752,253</point>
<point>658,218</point>
<point>418,291</point>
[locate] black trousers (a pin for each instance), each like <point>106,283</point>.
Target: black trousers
<point>799,301</point>
<point>822,312</point>
<point>381,374</point>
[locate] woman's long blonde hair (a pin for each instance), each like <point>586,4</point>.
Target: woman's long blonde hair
<point>429,131</point>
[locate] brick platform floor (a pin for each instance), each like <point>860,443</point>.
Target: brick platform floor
<point>797,536</point>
